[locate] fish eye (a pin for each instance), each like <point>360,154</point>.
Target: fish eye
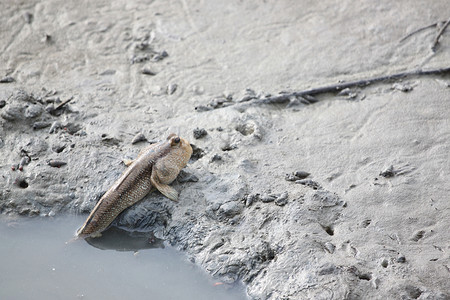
<point>176,140</point>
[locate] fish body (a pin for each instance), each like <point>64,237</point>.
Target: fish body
<point>156,166</point>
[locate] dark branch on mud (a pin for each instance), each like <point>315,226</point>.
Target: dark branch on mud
<point>443,25</point>
<point>420,30</point>
<point>307,95</point>
<point>436,40</point>
<point>340,86</point>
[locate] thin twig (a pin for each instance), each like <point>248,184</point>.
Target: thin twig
<point>63,103</point>
<point>419,30</point>
<point>340,86</point>
<point>436,40</point>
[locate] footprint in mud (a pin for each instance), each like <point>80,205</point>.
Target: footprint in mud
<point>392,171</point>
<point>418,235</point>
<point>328,229</point>
<point>250,128</point>
<point>365,223</point>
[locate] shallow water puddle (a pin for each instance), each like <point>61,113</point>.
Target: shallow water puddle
<point>37,261</point>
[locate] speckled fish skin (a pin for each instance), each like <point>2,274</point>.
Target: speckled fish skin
<point>156,166</point>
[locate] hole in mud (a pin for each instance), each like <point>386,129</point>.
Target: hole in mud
<point>365,276</point>
<point>413,291</point>
<point>197,152</point>
<point>22,183</point>
<point>245,129</point>
<point>328,229</point>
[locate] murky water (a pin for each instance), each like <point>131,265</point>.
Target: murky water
<point>37,261</point>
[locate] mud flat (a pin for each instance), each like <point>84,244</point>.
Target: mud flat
<point>340,195</point>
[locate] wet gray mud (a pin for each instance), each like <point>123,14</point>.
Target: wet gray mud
<point>337,196</point>
<point>40,260</point>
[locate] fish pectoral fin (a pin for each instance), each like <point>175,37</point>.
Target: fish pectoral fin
<point>166,190</point>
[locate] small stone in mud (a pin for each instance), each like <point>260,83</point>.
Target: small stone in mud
<point>108,72</point>
<point>251,199</point>
<point>54,128</point>
<point>401,258</point>
<point>140,137</point>
<point>301,174</point>
<point>268,198</point>
<point>56,163</point>
<point>348,92</point>
<point>297,175</point>
<point>110,140</point>
<point>199,133</point>
<point>160,56</point>
<point>47,38</point>
<point>328,269</point>
<point>139,58</point>
<point>72,128</point>
<point>229,210</point>
<point>216,157</point>
<point>7,79</point>
<point>40,125</point>
<point>147,71</point>
<point>228,147</point>
<point>58,148</point>
<point>389,172</point>
<point>282,199</point>
<point>171,88</point>
<point>164,53</point>
<point>219,102</point>
<point>202,108</point>
<point>50,108</point>
<point>403,87</point>
<point>329,247</point>
<point>24,161</point>
<point>28,17</point>
<point>309,182</point>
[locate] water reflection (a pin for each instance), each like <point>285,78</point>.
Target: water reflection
<point>40,259</point>
<point>122,240</point>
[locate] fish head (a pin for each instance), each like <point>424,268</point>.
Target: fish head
<point>180,147</point>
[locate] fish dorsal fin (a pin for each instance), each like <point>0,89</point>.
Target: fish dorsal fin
<point>138,163</point>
